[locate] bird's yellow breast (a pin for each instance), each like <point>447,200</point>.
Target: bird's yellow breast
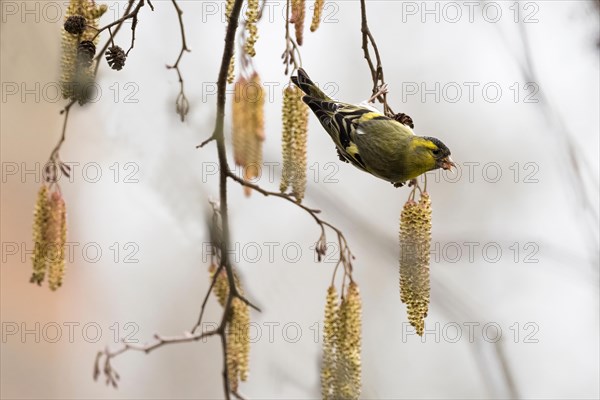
<point>368,116</point>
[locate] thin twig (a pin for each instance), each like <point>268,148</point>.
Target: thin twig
<point>205,301</point>
<point>376,70</point>
<point>345,256</point>
<point>219,137</point>
<point>127,14</point>
<point>224,168</point>
<point>181,103</point>
<point>291,54</point>
<point>112,376</point>
<point>63,136</point>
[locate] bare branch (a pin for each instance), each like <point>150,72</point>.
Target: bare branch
<point>345,256</point>
<point>112,376</point>
<point>376,70</point>
<point>182,103</point>
<point>127,14</point>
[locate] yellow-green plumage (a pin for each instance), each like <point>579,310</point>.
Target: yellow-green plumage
<point>371,141</point>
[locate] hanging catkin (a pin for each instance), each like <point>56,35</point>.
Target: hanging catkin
<point>294,142</point>
<point>347,381</point>
<point>329,341</point>
<point>77,79</point>
<point>298,16</point>
<point>300,123</point>
<point>41,220</point>
<point>287,135</point>
<point>248,126</point>
<point>317,12</point>
<point>57,237</point>
<point>251,28</point>
<point>415,242</point>
<point>239,121</point>
<point>231,69</point>
<point>49,238</point>
<point>238,339</point>
<point>341,367</point>
<point>256,103</point>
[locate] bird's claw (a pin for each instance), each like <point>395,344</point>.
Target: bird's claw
<point>380,92</point>
<point>404,120</point>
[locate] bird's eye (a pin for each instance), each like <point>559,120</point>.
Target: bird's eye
<point>437,152</point>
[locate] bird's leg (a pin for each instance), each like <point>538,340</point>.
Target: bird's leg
<point>404,120</point>
<point>382,90</point>
<point>413,182</point>
<point>398,184</point>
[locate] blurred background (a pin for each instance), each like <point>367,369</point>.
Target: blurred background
<point>511,87</point>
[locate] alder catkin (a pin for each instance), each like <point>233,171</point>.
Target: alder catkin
<point>415,243</point>
<point>287,135</point>
<point>238,339</point>
<point>57,238</point>
<point>347,383</point>
<point>229,8</point>
<point>316,19</point>
<point>221,287</point>
<point>298,16</point>
<point>251,27</point>
<point>238,344</point>
<point>328,366</point>
<point>300,125</point>
<point>231,70</point>
<point>256,136</point>
<point>239,121</point>
<point>294,142</point>
<point>248,126</point>
<point>76,79</point>
<point>41,220</point>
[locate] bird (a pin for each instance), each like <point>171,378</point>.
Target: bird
<point>371,141</point>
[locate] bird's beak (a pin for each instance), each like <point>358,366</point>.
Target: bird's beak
<point>447,163</point>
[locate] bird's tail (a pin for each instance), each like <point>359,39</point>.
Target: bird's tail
<point>307,86</point>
